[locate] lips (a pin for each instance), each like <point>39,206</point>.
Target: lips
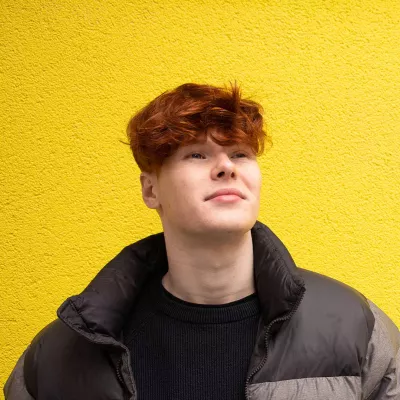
<point>223,192</point>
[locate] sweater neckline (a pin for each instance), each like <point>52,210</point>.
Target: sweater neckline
<point>245,308</point>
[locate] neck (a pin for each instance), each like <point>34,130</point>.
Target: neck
<point>207,272</point>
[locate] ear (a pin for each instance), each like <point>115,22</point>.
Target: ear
<point>149,184</point>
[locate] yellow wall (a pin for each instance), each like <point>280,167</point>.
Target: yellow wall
<point>73,72</point>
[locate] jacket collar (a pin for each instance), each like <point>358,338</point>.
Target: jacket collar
<point>102,308</point>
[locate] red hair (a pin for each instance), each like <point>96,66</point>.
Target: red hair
<point>177,117</point>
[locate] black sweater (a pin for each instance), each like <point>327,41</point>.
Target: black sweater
<point>186,351</point>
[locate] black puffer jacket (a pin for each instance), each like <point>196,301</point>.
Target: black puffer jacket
<point>317,339</point>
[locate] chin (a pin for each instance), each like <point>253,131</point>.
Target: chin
<point>228,224</point>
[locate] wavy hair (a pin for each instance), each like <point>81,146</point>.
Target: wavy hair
<point>179,116</point>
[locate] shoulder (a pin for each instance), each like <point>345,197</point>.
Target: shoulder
<point>50,342</point>
<point>329,302</point>
<point>327,295</point>
<point>328,335</point>
<point>337,310</point>
<point>58,356</point>
<point>59,342</point>
<point>45,350</point>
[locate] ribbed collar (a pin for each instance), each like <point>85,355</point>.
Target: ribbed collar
<point>205,314</point>
<point>102,308</point>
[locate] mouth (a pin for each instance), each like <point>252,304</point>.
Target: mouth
<point>226,194</point>
<point>226,198</point>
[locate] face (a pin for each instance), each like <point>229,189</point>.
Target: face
<point>181,192</point>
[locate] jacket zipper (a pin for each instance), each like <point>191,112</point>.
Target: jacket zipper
<point>266,342</point>
<point>119,372</point>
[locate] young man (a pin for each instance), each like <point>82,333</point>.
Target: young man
<point>214,307</point>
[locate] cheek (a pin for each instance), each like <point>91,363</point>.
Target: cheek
<point>259,181</point>
<point>175,193</point>
<point>253,179</point>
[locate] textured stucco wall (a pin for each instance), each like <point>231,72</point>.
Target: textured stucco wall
<point>73,72</point>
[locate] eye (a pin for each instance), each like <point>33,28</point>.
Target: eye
<point>195,155</point>
<point>240,155</point>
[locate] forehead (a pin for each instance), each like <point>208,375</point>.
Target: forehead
<point>207,140</point>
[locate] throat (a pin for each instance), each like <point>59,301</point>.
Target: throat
<point>210,288</point>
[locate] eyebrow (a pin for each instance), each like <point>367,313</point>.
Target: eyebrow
<point>204,144</point>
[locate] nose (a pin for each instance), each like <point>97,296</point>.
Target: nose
<point>224,169</point>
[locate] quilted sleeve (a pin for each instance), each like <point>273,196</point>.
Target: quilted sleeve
<point>381,370</point>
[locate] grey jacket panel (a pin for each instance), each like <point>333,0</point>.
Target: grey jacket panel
<point>381,371</point>
<point>15,388</point>
<point>332,388</point>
